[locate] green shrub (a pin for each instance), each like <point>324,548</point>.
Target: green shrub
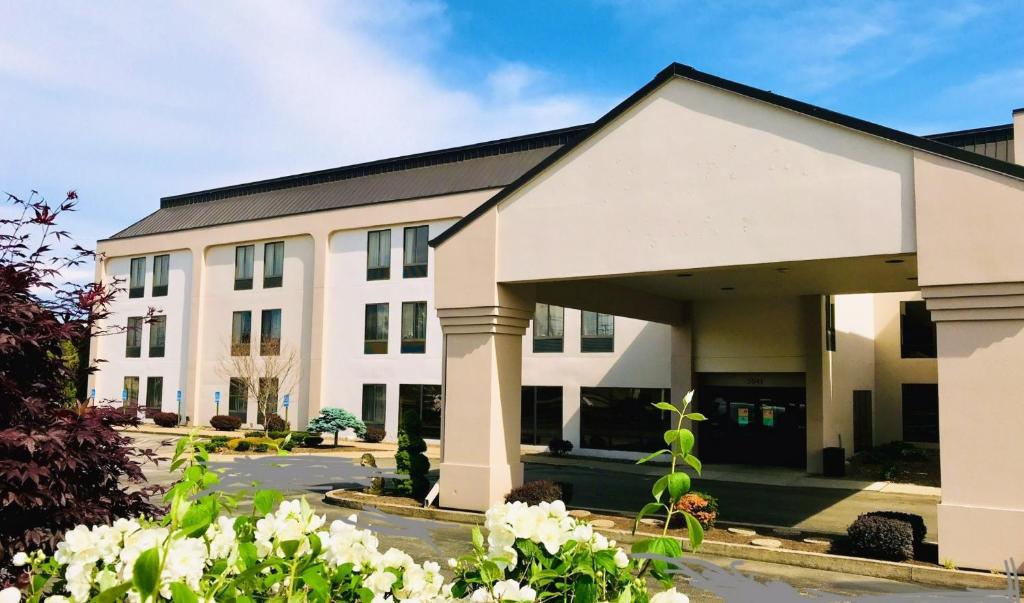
<point>277,435</point>
<point>335,420</point>
<point>374,434</point>
<point>313,440</point>
<point>241,445</point>
<point>410,458</point>
<point>917,525</point>
<point>879,537</point>
<point>254,434</point>
<point>535,492</point>
<point>165,419</point>
<point>260,447</point>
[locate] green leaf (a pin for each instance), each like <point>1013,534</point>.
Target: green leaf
<point>265,501</point>
<point>584,590</point>
<point>685,439</point>
<point>288,547</point>
<point>606,560</point>
<point>647,510</point>
<point>659,487</point>
<point>694,462</point>
<point>671,436</point>
<point>146,572</point>
<point>114,594</point>
<point>666,406</point>
<point>199,517</point>
<point>181,593</point>
<point>654,455</point>
<point>695,416</point>
<point>314,579</point>
<point>678,484</point>
<point>626,596</point>
<point>478,538</point>
<point>694,530</point>
<point>490,572</point>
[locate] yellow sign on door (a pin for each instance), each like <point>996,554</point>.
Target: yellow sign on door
<point>743,415</point>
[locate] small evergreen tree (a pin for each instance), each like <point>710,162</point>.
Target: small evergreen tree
<point>410,458</point>
<point>333,420</point>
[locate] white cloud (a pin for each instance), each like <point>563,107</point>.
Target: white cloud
<point>131,101</point>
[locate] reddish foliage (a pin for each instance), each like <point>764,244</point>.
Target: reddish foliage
<point>60,466</point>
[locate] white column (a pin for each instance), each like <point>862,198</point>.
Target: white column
<point>483,351</point>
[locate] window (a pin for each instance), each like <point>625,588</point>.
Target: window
<point>425,402</point>
<point>241,333</point>
<point>378,255</point>
<point>133,338</point>
<point>154,394</point>
<point>161,265</point>
<point>375,340</point>
<point>598,332</point>
<point>273,264</point>
<point>414,327</point>
<point>541,414</point>
<point>917,331</point>
<point>157,336</point>
<point>137,278</point>
<point>270,333</point>
<point>267,401</point>
<point>243,266</point>
<point>415,262</point>
<point>622,418</point>
<point>830,324</point>
<point>920,412</point>
<point>374,404</point>
<point>238,398</point>
<point>548,328</point>
<point>130,395</point>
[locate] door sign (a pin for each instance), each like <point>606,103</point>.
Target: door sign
<point>768,416</point>
<point>743,415</point>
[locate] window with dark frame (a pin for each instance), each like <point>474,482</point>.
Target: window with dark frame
<point>157,336</point>
<point>830,324</point>
<point>622,418</point>
<point>374,404</point>
<point>238,398</point>
<point>133,337</point>
<point>917,331</point>
<point>375,339</point>
<point>597,332</point>
<point>548,328</point>
<point>541,417</point>
<point>378,255</point>
<point>130,395</point>
<point>425,402</point>
<point>414,327</point>
<point>241,333</point>
<point>244,256</point>
<point>273,264</point>
<point>161,268</point>
<point>154,394</point>
<point>414,264</point>
<point>270,332</point>
<point>920,412</point>
<point>137,278</point>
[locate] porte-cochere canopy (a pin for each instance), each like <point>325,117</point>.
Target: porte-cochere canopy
<point>758,196</point>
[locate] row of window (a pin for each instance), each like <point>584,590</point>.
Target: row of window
<point>154,393</point>
<point>137,276</point>
<point>422,400</point>
<point>597,331</point>
<point>273,265</point>
<point>239,392</point>
<point>414,253</point>
<point>270,332</point>
<point>157,336</point>
<point>414,328</point>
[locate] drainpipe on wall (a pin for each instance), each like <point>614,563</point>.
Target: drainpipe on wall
<point>1018,136</point>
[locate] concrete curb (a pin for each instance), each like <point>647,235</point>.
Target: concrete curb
<point>903,572</point>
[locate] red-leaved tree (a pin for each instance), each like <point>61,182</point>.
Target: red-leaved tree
<point>60,466</point>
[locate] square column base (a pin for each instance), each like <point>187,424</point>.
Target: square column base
<point>477,487</point>
<point>980,538</point>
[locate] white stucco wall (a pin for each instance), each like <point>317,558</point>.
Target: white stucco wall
<point>220,300</point>
<point>108,382</point>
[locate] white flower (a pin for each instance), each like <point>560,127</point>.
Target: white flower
<point>452,563</point>
<point>19,559</point>
<point>670,596</point>
<point>56,599</point>
<point>380,582</point>
<point>480,595</point>
<point>510,590</point>
<point>10,595</point>
<point>621,559</point>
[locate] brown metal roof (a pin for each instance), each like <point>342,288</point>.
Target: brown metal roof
<point>462,169</point>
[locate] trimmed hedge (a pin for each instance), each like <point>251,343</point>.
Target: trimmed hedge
<point>916,522</point>
<point>166,419</point>
<point>313,440</point>
<point>273,422</point>
<point>225,423</point>
<point>879,537</point>
<point>374,433</point>
<point>535,492</point>
<point>559,447</point>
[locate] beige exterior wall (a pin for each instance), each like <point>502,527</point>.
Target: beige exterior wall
<point>1018,135</point>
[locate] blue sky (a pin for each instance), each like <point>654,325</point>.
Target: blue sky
<point>128,102</point>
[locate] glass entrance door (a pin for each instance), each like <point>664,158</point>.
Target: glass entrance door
<point>753,425</point>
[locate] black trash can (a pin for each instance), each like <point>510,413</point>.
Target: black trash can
<point>833,462</point>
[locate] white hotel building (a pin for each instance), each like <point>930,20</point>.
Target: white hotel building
<point>335,266</point>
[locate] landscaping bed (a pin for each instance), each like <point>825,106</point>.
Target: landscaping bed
<point>897,462</point>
